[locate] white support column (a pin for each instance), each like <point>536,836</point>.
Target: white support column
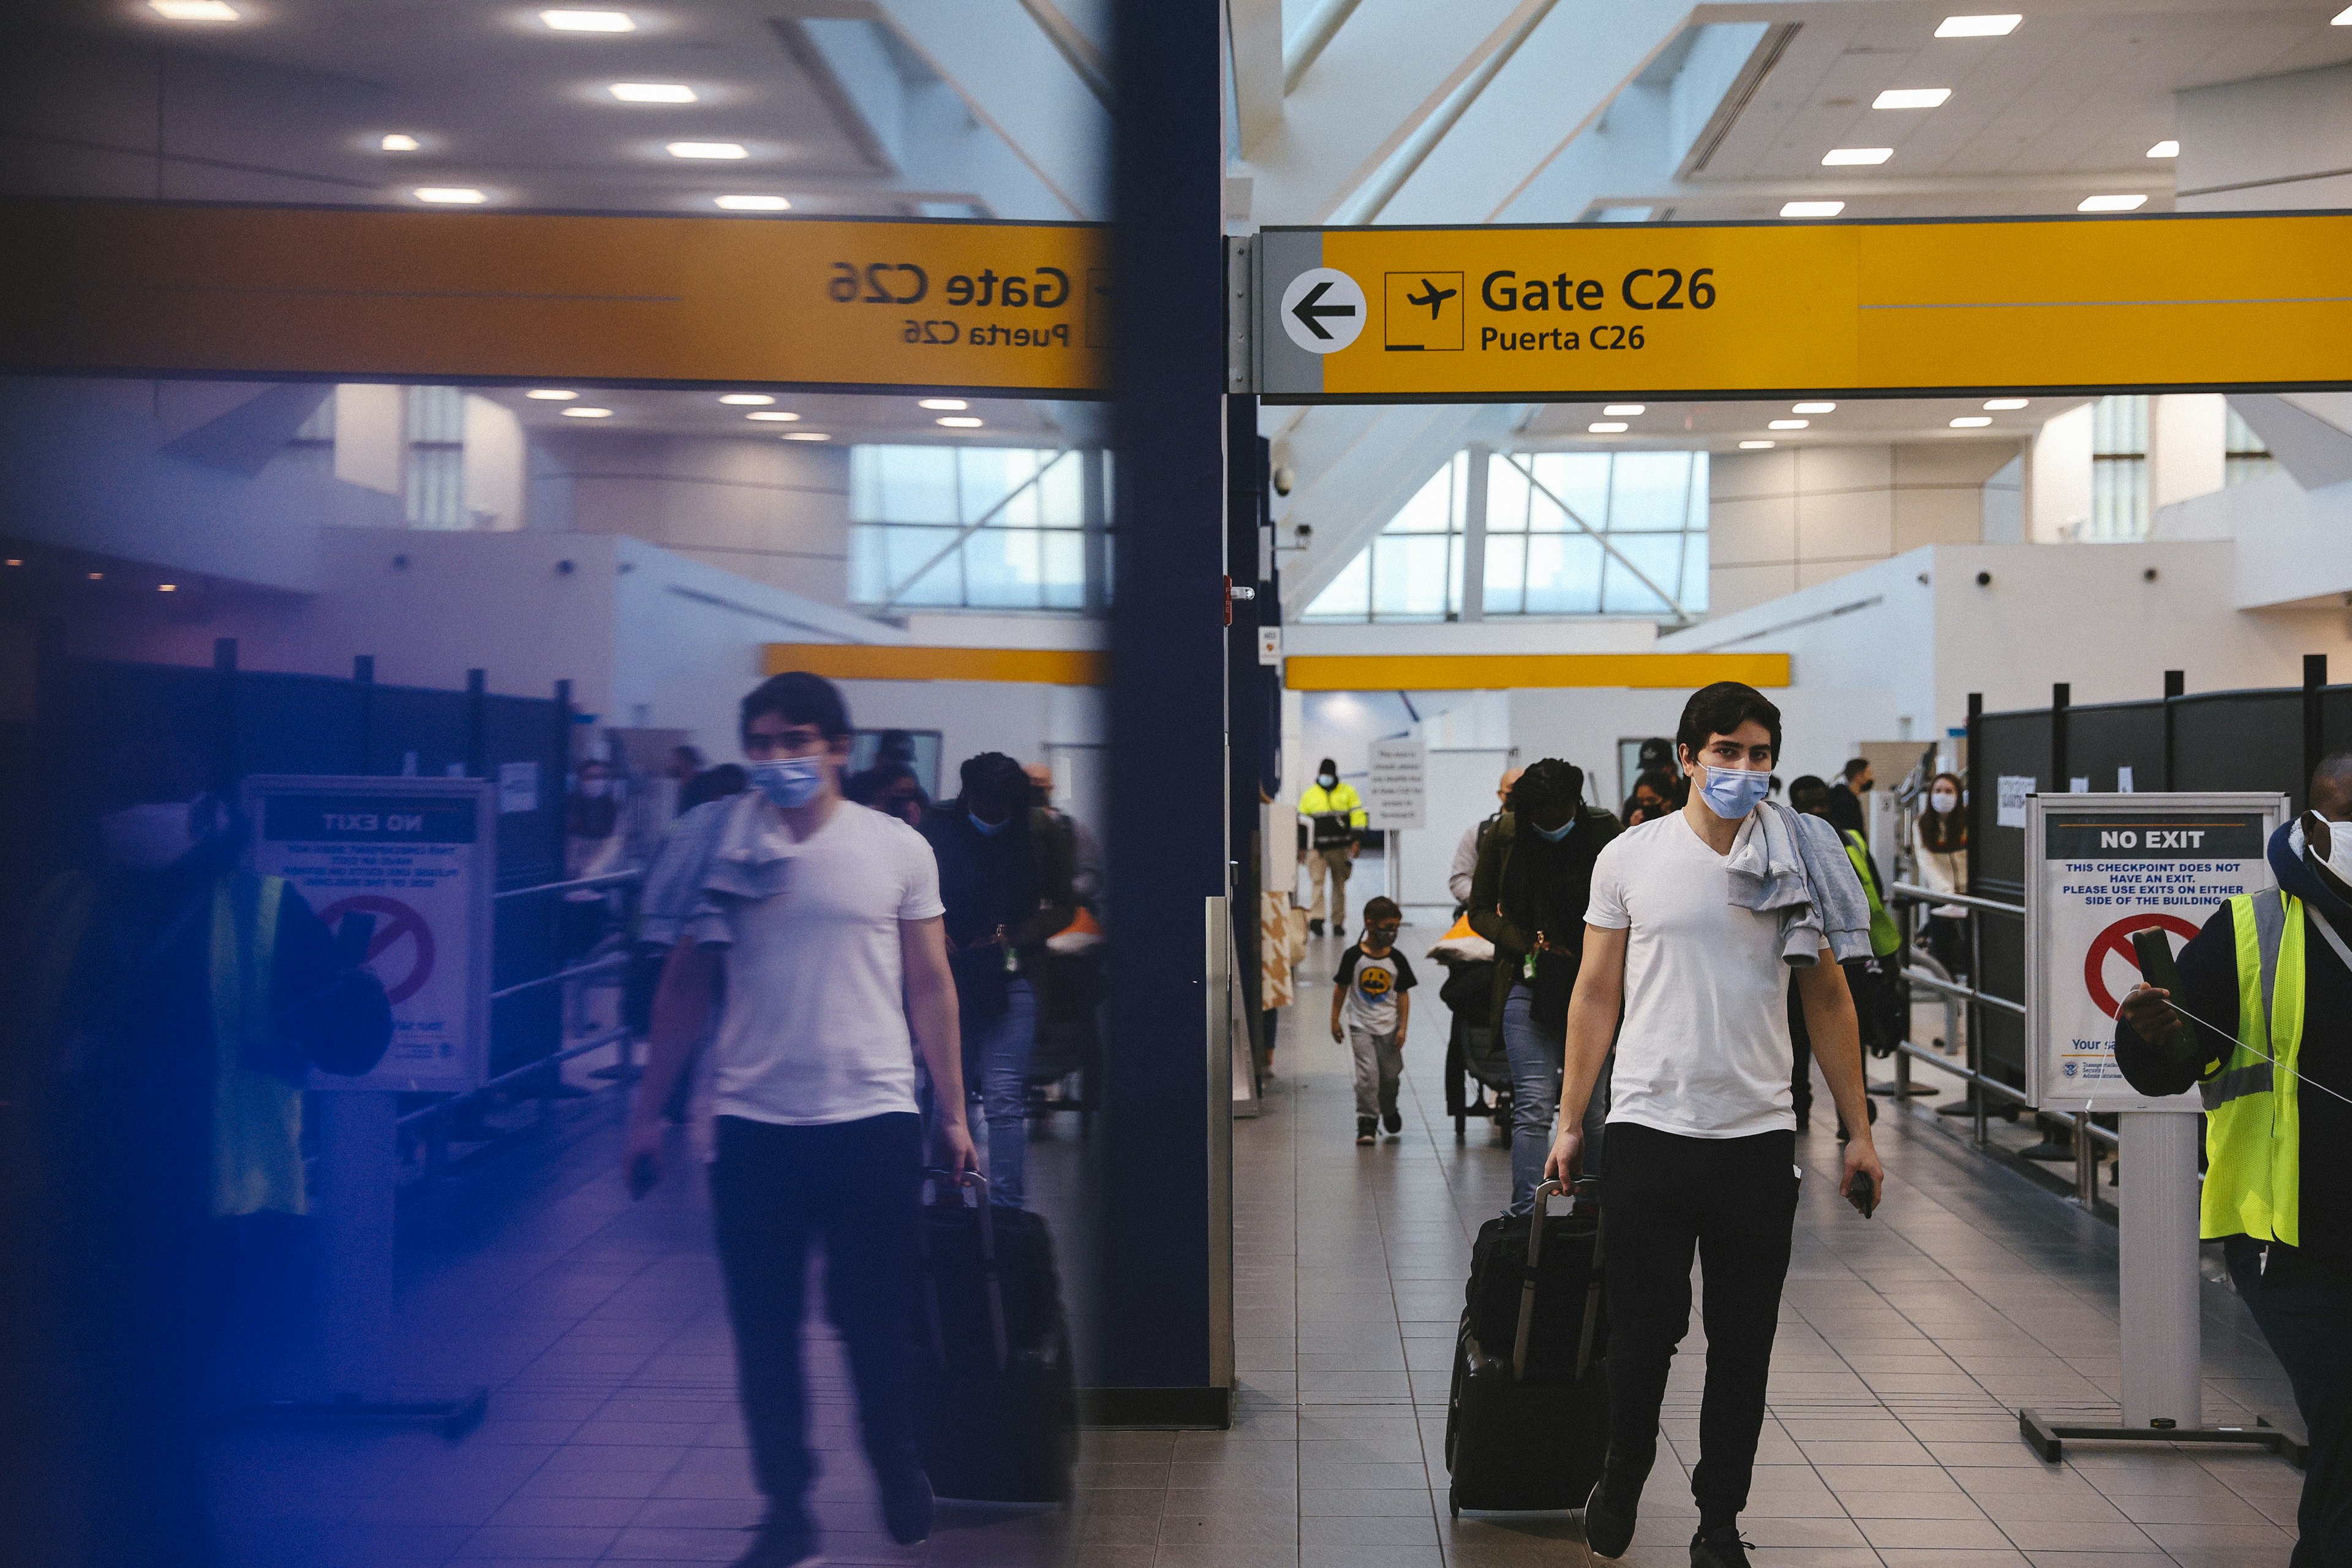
<point>1473,533</point>
<point>2163,1356</point>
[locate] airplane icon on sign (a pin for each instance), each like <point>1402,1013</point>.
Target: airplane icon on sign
<point>1435,297</point>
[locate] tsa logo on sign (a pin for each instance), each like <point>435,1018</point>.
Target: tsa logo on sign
<point>2071,1068</point>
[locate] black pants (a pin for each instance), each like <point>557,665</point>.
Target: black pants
<point>852,1185</point>
<point>1735,1201</point>
<point>2303,1306</point>
<point>1800,1081</point>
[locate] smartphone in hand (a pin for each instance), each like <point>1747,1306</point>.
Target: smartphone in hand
<point>1862,1193</point>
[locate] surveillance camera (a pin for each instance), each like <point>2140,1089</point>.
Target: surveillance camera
<point>1282,480</point>
<point>1305,531</point>
<point>1984,579</point>
<point>2148,576</point>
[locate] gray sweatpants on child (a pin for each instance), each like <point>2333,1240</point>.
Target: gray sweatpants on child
<point>1380,1062</point>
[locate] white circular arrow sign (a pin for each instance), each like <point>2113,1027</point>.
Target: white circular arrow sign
<point>1323,309</point>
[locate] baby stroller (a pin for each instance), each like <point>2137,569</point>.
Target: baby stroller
<point>1475,1063</point>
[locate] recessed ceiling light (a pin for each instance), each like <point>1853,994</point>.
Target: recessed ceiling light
<point>1971,421</point>
<point>2005,404</point>
<point>1812,408</point>
<point>450,195</point>
<point>1811,209</point>
<point>775,416</point>
<point>167,587</point>
<point>1786,424</point>
<point>1608,428</point>
<point>746,399</point>
<point>194,10</point>
<point>1912,98</point>
<point>2342,19</point>
<point>97,576</point>
<point>2167,148</point>
<point>653,92</point>
<point>399,141</point>
<point>944,405</point>
<point>1757,446</point>
<point>587,414</point>
<point>2117,204</point>
<point>12,561</point>
<point>1625,410</point>
<point>708,150</point>
<point>751,203</point>
<point>551,395</point>
<point>806,436</point>
<point>959,422</point>
<point>1838,157</point>
<point>589,21</point>
<point>1977,27</point>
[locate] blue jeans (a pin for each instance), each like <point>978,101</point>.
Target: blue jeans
<point>1003,1046</point>
<point>1538,1055</point>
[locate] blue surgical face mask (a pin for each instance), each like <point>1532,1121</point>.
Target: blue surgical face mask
<point>788,782</point>
<point>1553,835</point>
<point>1733,792</point>
<point>1326,780</point>
<point>987,829</point>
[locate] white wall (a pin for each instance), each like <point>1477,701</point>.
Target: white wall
<point>1798,515</point>
<point>1504,634</point>
<point>2058,477</point>
<point>2274,143</point>
<point>371,436</point>
<point>2188,443</point>
<point>494,464</point>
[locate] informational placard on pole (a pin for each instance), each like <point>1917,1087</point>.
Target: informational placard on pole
<point>2103,866</point>
<point>420,856</point>
<point>1397,793</point>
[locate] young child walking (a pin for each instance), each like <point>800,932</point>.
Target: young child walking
<point>1369,1007</point>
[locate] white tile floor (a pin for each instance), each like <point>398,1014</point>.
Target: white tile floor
<point>1905,1344</point>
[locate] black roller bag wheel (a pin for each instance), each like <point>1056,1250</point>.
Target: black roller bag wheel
<point>1527,1425</point>
<point>996,1399</point>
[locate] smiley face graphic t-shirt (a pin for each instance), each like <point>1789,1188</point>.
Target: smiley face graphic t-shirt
<point>1371,986</point>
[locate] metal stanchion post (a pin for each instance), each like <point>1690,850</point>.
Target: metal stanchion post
<point>1976,1021</point>
<point>2086,1163</point>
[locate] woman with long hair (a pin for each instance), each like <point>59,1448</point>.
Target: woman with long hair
<point>1941,841</point>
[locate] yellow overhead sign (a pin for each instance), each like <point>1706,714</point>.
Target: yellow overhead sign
<point>1760,310</point>
<point>354,292</point>
<point>1510,671</point>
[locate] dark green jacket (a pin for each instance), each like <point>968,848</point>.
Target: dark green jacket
<point>1512,930</point>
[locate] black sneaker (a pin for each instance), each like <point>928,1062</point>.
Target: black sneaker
<point>1609,1521</point>
<point>1364,1133</point>
<point>782,1544</point>
<point>907,1508</point>
<point>1719,1547</point>
<point>1393,1122</point>
<point>1314,928</point>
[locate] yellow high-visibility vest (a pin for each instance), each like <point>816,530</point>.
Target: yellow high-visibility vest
<point>2253,1128</point>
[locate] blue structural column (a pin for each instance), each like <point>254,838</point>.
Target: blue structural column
<point>1151,1359</point>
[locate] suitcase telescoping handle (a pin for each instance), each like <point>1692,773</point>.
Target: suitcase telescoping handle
<point>991,1279</point>
<point>1537,1212</point>
<point>1592,1288</point>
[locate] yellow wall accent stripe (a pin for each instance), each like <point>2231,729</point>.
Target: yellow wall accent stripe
<point>867,661</point>
<point>1502,671</point>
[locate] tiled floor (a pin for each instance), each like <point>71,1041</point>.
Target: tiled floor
<point>1905,1344</point>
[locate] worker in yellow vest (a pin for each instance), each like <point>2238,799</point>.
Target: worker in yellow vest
<point>2267,985</point>
<point>1332,814</point>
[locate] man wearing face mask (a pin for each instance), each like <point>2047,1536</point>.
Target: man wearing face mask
<point>2270,975</point>
<point>1004,875</point>
<point>825,919</point>
<point>1335,820</point>
<point>1528,896</point>
<point>1701,1140</point>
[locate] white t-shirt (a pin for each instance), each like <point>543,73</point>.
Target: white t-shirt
<point>816,1028</point>
<point>1704,1050</point>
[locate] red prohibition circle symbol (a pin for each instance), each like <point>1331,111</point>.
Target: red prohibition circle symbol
<point>394,921</point>
<point>2116,939</point>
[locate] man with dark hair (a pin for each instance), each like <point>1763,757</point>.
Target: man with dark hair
<point>827,921</point>
<point>2267,1043</point>
<point>1702,1145</point>
<point>1846,811</point>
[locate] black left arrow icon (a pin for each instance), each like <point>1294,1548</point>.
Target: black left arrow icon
<point>1307,310</point>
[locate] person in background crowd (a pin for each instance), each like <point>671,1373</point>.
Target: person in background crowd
<point>826,923</point>
<point>592,823</point>
<point>176,1006</point>
<point>1846,813</point>
<point>1685,986</point>
<point>1336,822</point>
<point>1939,839</point>
<point>712,783</point>
<point>2267,985</point>
<point>1527,898</point>
<point>1004,875</point>
<point>1464,869</point>
<point>1810,796</point>
<point>672,887</point>
<point>684,764</point>
<point>892,789</point>
<point>1371,1005</point>
<point>1086,850</point>
<point>1652,797</point>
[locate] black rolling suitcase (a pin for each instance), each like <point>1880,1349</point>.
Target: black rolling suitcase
<point>1527,1425</point>
<point>995,1400</point>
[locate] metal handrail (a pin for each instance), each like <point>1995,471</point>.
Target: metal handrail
<point>1906,891</point>
<point>516,1074</point>
<point>608,880</point>
<point>612,961</point>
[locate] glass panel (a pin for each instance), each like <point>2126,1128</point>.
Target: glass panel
<point>1001,568</point>
<point>1063,557</point>
<point>1648,491</point>
<point>1431,509</point>
<point>1507,574</point>
<point>1563,574</point>
<point>906,550</point>
<point>1578,481</point>
<point>1061,494</point>
<point>1350,596</point>
<point>1506,497</point>
<point>1409,576</point>
<point>1694,592</point>
<point>1655,556</point>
